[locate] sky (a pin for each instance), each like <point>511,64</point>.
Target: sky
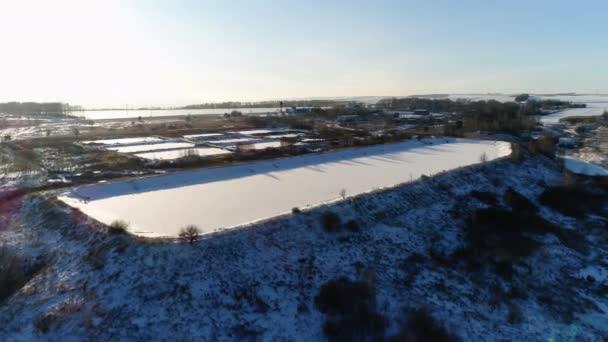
<point>117,53</point>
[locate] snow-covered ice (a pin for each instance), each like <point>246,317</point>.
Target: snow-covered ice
<point>219,198</point>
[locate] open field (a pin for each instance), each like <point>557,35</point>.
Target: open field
<point>221,198</point>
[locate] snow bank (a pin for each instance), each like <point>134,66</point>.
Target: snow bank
<point>220,198</point>
<point>584,168</point>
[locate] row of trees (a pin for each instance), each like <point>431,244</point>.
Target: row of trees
<point>491,106</point>
<point>264,104</point>
<point>28,108</point>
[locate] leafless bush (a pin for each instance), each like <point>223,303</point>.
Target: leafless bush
<point>190,233</point>
<point>118,227</point>
<point>483,158</point>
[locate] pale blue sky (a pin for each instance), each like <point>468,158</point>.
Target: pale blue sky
<point>117,52</point>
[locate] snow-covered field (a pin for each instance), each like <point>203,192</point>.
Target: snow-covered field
<point>592,109</point>
<point>220,198</point>
<point>175,154</point>
<point>151,147</point>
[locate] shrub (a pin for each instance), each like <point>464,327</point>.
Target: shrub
<point>190,233</point>
<point>12,275</point>
<point>363,325</point>
<point>43,323</point>
<point>295,210</point>
<point>331,221</point>
<point>544,145</point>
<point>421,326</point>
<point>519,203</point>
<point>515,315</point>
<point>483,158</point>
<point>350,309</point>
<point>500,232</point>
<point>572,201</point>
<point>118,227</point>
<point>342,296</point>
<point>485,197</point>
<point>352,226</point>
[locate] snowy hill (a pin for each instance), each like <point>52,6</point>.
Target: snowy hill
<point>262,282</point>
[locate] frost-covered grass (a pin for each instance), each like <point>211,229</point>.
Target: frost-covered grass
<point>219,198</point>
<point>175,154</point>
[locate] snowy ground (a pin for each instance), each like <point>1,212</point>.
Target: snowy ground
<point>260,283</point>
<point>584,168</point>
<point>220,198</point>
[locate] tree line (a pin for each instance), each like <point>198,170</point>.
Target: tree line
<point>264,104</point>
<point>36,108</point>
<point>529,107</point>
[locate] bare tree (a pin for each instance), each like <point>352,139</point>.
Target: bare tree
<point>483,158</point>
<point>190,233</point>
<point>343,193</point>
